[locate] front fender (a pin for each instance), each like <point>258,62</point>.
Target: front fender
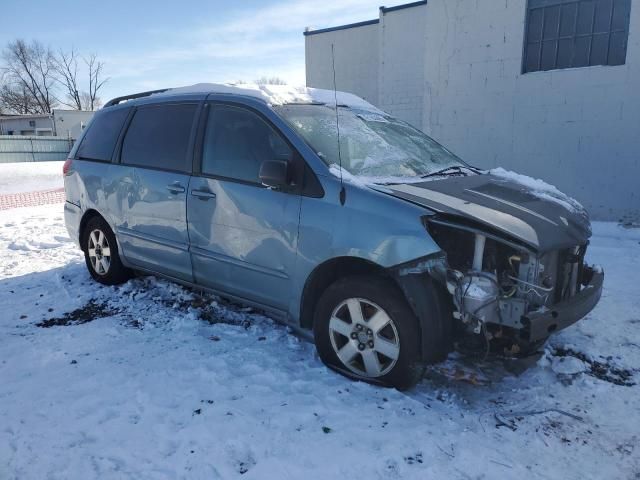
<point>370,226</point>
<point>380,228</point>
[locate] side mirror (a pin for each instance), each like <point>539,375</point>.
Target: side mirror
<point>274,173</point>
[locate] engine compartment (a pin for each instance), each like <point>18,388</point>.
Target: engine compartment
<point>496,282</point>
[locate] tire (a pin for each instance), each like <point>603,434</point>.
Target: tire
<point>101,253</point>
<point>374,348</point>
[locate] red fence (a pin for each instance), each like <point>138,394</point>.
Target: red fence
<point>31,199</point>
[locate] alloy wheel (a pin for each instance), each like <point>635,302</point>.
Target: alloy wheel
<point>99,252</point>
<point>364,337</point>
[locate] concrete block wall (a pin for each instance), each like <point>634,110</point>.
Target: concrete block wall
<point>401,63</point>
<point>579,129</point>
<point>356,60</point>
<point>453,68</point>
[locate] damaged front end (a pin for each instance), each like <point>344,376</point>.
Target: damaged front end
<point>505,294</point>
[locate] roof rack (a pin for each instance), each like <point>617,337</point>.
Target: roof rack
<point>118,100</point>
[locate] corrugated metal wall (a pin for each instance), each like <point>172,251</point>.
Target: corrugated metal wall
<point>14,148</point>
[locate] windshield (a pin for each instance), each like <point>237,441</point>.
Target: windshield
<point>376,146</point>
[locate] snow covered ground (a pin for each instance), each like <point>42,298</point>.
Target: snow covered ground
<point>30,176</point>
<point>149,380</point>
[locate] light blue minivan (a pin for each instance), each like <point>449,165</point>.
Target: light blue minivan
<point>335,218</point>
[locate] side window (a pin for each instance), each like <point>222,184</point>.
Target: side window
<point>100,140</point>
<point>158,137</point>
<point>237,141</point>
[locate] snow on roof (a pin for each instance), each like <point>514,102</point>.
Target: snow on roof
<point>278,94</point>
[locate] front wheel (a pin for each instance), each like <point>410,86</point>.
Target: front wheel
<point>363,327</point>
<point>101,253</point>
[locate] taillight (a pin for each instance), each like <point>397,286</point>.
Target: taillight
<point>66,168</point>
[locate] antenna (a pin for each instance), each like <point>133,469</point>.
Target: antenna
<point>335,97</point>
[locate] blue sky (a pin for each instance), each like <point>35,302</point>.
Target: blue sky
<point>151,44</point>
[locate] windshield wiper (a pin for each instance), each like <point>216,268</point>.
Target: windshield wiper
<point>453,170</point>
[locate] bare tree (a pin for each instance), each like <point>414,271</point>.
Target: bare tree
<point>66,66</point>
<point>29,70</point>
<point>86,101</point>
<point>33,79</point>
<point>95,80</point>
<point>270,81</point>
<point>67,69</point>
<point>17,100</point>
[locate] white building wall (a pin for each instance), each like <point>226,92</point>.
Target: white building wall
<point>61,123</point>
<point>22,125</point>
<point>402,63</point>
<point>356,47</point>
<point>576,128</point>
<point>70,123</point>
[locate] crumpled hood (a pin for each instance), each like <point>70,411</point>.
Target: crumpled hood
<point>543,220</point>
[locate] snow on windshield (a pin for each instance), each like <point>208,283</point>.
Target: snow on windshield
<point>541,189</point>
<point>375,148</point>
<point>363,180</point>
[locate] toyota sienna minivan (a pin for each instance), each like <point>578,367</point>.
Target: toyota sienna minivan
<point>335,218</point>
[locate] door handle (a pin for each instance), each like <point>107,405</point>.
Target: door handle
<point>175,188</point>
<point>203,194</point>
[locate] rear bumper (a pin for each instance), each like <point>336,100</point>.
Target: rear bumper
<point>540,324</point>
<point>72,217</point>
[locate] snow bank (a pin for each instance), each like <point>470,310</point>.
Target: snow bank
<point>30,176</point>
<point>278,94</point>
<point>541,189</point>
<point>148,388</point>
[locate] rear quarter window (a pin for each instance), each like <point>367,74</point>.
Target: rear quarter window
<point>158,137</point>
<point>101,137</point>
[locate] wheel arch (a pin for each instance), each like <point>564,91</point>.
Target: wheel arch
<point>422,290</point>
<point>89,214</point>
<point>86,217</point>
<point>327,273</point>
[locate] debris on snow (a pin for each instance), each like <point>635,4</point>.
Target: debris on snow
<point>91,311</point>
<point>567,361</point>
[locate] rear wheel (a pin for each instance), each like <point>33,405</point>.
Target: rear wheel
<point>364,328</point>
<point>101,253</point>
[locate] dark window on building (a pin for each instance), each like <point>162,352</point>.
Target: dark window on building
<point>575,33</point>
<point>236,143</point>
<point>158,137</point>
<point>100,140</point>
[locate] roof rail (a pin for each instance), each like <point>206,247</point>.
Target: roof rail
<point>118,100</point>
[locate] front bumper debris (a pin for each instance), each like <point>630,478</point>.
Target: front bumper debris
<point>541,323</point>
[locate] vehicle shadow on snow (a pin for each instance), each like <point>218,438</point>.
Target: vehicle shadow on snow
<point>67,296</point>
